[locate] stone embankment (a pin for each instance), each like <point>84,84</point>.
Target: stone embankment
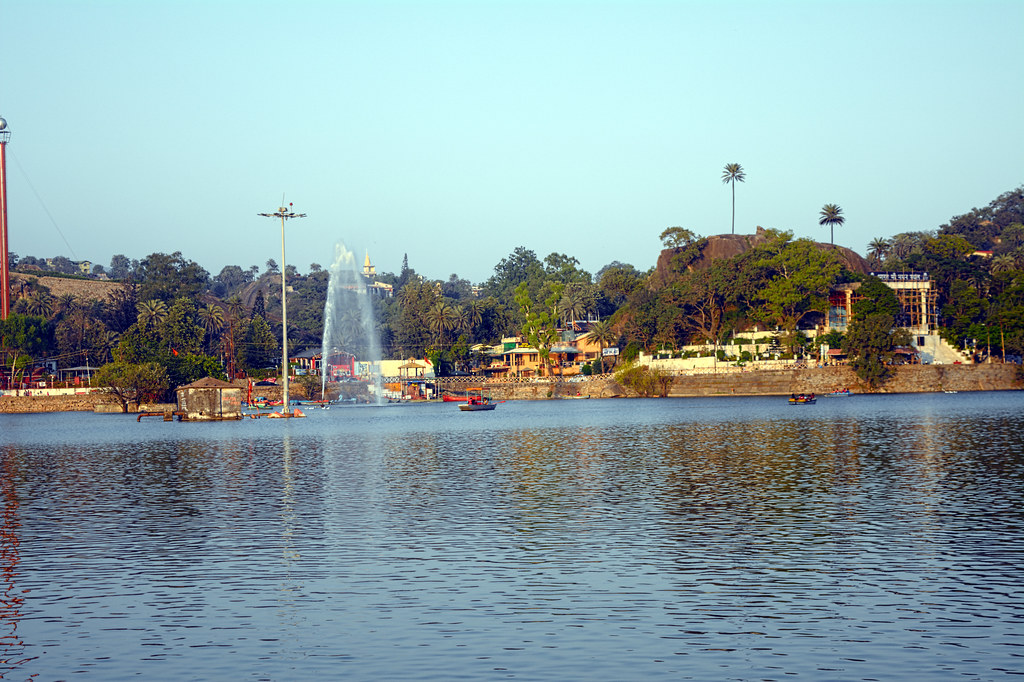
<point>83,402</point>
<point>910,379</point>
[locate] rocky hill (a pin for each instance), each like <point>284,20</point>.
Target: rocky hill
<point>731,245</point>
<point>85,289</point>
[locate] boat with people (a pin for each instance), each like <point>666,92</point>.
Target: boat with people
<point>839,393</point>
<point>802,399</point>
<point>477,404</point>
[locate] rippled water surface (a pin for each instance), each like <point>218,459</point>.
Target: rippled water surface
<point>862,538</point>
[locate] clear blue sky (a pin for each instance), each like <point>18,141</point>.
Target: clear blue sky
<point>455,132</point>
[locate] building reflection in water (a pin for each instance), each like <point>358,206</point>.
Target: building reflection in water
<point>12,648</point>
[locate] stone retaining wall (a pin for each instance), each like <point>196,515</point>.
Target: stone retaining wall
<point>909,379</point>
<point>85,402</point>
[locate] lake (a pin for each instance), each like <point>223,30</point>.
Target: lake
<point>861,538</point>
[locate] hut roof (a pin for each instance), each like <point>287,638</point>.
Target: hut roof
<point>207,382</point>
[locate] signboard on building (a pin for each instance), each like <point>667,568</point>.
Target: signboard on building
<point>901,276</point>
<point>610,351</point>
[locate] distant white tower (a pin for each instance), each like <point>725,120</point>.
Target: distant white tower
<point>5,275</point>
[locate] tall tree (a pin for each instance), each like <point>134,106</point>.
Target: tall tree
<point>212,318</point>
<point>151,313</point>
<point>799,278</point>
<point>29,334</point>
<point>442,319</point>
<point>731,174</point>
<point>878,249</point>
<point>120,311</point>
<point>522,265</point>
<point>167,277</point>
<point>132,383</point>
<point>260,345</point>
<point>605,336</point>
<point>831,215</point>
<point>562,268</point>
<point>120,266</point>
<point>259,306</point>
<point>870,343</point>
<point>677,237</point>
<point>39,303</point>
<point>540,329</point>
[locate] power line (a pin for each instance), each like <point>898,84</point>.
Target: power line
<point>43,204</point>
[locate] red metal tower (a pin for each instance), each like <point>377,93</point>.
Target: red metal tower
<point>5,278</point>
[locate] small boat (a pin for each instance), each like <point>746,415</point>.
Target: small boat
<point>839,394</point>
<point>478,403</point>
<point>802,399</point>
<point>454,398</point>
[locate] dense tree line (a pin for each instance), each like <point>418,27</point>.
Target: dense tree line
<point>170,311</point>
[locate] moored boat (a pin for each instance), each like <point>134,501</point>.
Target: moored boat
<point>802,399</point>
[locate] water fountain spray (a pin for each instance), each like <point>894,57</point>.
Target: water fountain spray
<point>350,330</point>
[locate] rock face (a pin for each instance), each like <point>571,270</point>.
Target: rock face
<point>732,245</point>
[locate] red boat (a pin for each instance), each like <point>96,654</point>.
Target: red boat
<point>453,398</point>
<point>478,403</point>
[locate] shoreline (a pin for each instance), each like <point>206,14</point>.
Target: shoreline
<point>781,382</point>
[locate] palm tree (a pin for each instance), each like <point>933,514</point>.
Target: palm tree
<point>902,245</point>
<point>212,317</point>
<point>151,313</point>
<point>1001,263</point>
<point>831,215</point>
<point>441,319</point>
<point>731,174</point>
<point>236,309</point>
<point>108,342</point>
<point>572,305</point>
<point>39,303</point>
<point>350,327</point>
<point>475,312</point>
<point>68,303</point>
<point>878,249</point>
<point>603,333</point>
<point>462,321</point>
<point>1018,257</point>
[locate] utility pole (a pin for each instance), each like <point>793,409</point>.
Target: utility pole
<point>284,213</point>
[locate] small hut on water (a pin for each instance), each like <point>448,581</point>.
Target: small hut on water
<point>209,399</point>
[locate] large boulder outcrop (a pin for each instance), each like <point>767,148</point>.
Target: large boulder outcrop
<point>732,245</point>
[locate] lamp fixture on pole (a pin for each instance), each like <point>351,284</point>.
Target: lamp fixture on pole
<point>284,213</point>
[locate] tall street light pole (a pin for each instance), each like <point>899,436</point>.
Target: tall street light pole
<point>284,213</point>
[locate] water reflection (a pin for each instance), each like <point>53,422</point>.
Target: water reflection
<point>12,648</point>
<point>700,539</point>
